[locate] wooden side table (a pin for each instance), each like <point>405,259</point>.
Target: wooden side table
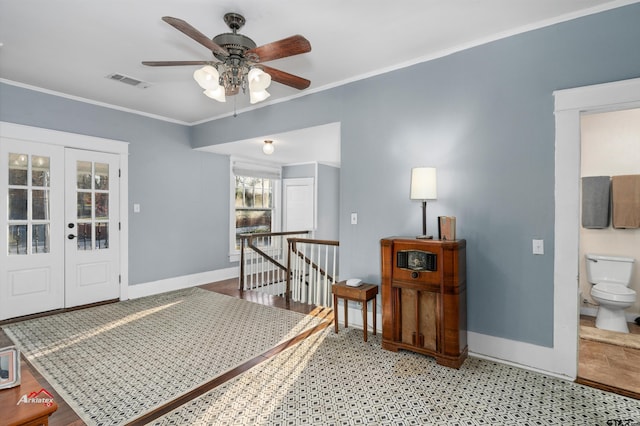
<point>363,293</point>
<point>27,413</point>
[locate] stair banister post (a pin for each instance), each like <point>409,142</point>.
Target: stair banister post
<point>242,260</point>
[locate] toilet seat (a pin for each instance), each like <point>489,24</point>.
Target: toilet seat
<point>614,291</point>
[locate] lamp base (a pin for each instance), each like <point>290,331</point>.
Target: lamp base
<point>425,237</point>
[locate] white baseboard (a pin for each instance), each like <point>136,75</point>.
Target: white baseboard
<point>532,357</point>
<point>177,283</point>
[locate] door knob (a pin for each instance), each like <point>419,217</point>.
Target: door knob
<point>71,236</point>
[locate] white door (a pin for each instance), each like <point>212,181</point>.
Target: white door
<point>92,227</point>
<point>59,222</point>
<point>32,228</point>
<point>299,206</point>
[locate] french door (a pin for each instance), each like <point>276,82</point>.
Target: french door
<point>59,239</point>
<point>91,227</point>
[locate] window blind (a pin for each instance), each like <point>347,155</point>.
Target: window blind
<point>245,168</point>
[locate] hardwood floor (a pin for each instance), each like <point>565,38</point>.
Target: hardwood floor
<point>610,367</point>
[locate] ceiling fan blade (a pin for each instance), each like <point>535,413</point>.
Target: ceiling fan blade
<point>187,29</point>
<point>289,46</point>
<point>173,63</point>
<point>286,78</point>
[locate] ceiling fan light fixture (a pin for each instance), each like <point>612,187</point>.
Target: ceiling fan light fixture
<point>217,94</point>
<point>268,148</point>
<point>207,77</point>
<point>238,69</point>
<point>258,96</point>
<point>258,79</point>
<point>258,83</point>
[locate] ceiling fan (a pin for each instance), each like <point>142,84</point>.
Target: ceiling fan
<point>240,61</point>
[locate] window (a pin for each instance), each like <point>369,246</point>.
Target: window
<point>254,201</point>
<point>253,206</point>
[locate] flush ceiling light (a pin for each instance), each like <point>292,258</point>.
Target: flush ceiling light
<point>267,148</point>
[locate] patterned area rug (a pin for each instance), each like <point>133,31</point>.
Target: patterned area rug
<point>338,379</point>
<point>115,362</point>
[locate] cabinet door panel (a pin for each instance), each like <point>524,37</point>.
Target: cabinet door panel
<point>419,318</point>
<point>409,316</point>
<point>428,319</point>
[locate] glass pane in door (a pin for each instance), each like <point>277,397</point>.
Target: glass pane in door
<point>17,239</point>
<point>18,204</point>
<point>102,236</point>
<point>40,239</point>
<point>102,176</point>
<point>84,205</point>
<point>84,236</point>
<point>40,205</point>
<point>40,171</point>
<point>18,169</point>
<point>102,206</point>
<point>84,172</point>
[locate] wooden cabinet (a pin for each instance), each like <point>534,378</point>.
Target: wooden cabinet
<point>424,298</point>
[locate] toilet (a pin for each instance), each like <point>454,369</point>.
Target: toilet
<point>611,276</point>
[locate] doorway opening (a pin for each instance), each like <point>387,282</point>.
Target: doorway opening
<point>570,105</point>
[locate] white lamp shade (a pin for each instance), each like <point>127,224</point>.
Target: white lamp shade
<point>256,96</point>
<point>207,77</point>
<point>258,80</point>
<point>217,94</point>
<point>423,183</point>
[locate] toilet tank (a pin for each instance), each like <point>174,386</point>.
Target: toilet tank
<point>612,269</point>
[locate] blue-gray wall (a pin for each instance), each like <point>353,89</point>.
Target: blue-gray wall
<point>328,203</point>
<point>483,117</point>
<point>299,171</point>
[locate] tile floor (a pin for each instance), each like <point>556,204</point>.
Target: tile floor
<point>610,365</point>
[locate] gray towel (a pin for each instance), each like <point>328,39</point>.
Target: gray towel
<point>595,202</point>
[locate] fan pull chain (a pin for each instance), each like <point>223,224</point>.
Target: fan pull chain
<point>235,114</point>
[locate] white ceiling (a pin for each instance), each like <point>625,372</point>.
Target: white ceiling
<point>68,47</point>
<point>320,144</point>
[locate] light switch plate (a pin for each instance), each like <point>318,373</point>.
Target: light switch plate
<point>538,246</point>
<point>354,218</point>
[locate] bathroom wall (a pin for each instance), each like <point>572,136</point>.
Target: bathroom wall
<point>611,146</point>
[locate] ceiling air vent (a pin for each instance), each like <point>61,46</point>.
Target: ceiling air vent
<point>129,80</point>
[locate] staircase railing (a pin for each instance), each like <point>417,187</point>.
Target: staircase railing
<point>264,262</point>
<point>313,269</point>
<point>305,273</point>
